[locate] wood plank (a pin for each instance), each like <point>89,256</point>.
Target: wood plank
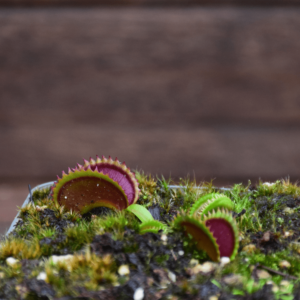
<point>147,3</point>
<point>205,90</point>
<point>226,153</point>
<point>121,67</point>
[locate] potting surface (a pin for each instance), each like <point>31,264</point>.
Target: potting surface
<point>11,197</point>
<point>57,254</point>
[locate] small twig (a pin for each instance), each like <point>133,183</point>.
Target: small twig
<point>174,256</point>
<point>254,273</point>
<point>240,213</point>
<point>276,272</point>
<point>30,193</point>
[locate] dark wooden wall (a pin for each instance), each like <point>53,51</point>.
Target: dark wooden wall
<point>146,3</point>
<point>210,91</point>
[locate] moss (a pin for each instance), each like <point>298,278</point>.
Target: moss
<point>79,235</point>
<point>283,186</point>
<point>20,249</point>
<point>162,259</point>
<point>40,194</point>
<point>81,270</point>
<point>148,189</point>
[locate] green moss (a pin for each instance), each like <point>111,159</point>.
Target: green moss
<point>38,195</point>
<point>148,189</point>
<point>162,259</point>
<point>79,235</point>
<point>20,249</point>
<point>283,186</point>
<point>116,223</point>
<point>81,270</point>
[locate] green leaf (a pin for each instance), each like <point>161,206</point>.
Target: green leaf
<point>287,297</point>
<point>215,282</point>
<point>141,212</point>
<point>152,226</point>
<point>237,292</point>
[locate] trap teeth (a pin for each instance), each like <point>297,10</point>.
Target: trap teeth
<point>97,183</point>
<point>118,172</point>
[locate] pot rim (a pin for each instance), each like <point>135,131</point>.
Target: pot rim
<point>50,183</point>
<point>27,200</point>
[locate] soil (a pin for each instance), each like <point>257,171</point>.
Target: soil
<point>160,265</point>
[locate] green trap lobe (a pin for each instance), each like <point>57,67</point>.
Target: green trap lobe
<point>204,241</point>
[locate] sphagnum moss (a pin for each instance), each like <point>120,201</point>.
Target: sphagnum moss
<point>166,265</point>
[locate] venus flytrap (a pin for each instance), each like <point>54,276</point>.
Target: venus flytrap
<point>211,225</point>
<point>100,182</point>
<point>216,233</point>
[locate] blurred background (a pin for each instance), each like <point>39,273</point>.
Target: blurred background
<point>170,87</point>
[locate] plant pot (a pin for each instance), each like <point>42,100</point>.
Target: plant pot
<point>159,263</point>
<point>49,184</point>
<point>27,200</point>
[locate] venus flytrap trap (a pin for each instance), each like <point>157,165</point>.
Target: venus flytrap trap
<point>215,233</point>
<point>100,182</point>
<point>210,202</point>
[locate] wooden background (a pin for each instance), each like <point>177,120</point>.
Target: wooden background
<point>146,3</point>
<point>208,91</point>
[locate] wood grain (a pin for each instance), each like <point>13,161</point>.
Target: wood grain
<point>210,91</point>
<point>145,3</point>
